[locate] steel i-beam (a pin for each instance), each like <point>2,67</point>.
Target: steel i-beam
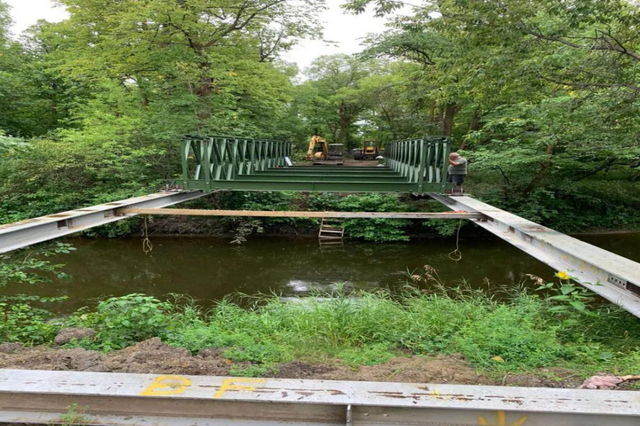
<point>171,400</point>
<point>27,232</point>
<point>613,277</point>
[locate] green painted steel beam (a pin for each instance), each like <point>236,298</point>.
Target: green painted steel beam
<point>346,170</point>
<point>320,178</point>
<point>341,186</point>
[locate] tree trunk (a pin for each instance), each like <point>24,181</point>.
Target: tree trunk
<point>432,113</point>
<point>475,121</point>
<point>450,111</point>
<point>344,124</point>
<point>544,169</point>
<point>473,126</point>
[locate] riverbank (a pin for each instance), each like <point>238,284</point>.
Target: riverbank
<point>155,357</point>
<point>430,335</point>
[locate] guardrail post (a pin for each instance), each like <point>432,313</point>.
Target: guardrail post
<point>185,147</point>
<point>422,165</point>
<point>446,150</point>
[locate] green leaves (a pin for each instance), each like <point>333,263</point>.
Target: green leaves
<point>122,321</point>
<point>29,265</point>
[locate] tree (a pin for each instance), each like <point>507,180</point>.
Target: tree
<point>333,81</point>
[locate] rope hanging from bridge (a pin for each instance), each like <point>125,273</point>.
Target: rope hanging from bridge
<point>456,255</point>
<point>147,247</point>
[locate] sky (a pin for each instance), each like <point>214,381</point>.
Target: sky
<point>344,29</point>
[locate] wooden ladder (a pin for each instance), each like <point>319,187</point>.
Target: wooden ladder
<point>331,229</point>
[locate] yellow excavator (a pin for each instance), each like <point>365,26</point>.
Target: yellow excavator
<point>320,152</point>
<point>369,151</point>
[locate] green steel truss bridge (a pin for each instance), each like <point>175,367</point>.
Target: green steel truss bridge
<point>224,163</point>
<point>227,163</point>
<point>217,163</point>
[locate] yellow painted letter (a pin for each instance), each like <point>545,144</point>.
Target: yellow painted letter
<point>230,384</point>
<point>167,385</point>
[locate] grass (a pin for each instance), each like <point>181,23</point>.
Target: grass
<point>516,334</point>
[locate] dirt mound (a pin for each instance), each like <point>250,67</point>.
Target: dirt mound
<point>10,348</point>
<point>301,370</point>
<point>70,334</point>
<point>545,378</point>
<point>44,358</point>
<point>153,356</point>
<point>417,369</point>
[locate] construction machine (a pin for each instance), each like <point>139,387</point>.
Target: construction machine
<point>369,151</point>
<point>320,152</point>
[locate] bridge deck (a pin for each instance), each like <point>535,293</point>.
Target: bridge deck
<point>322,179</point>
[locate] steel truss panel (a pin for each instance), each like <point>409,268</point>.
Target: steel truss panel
<point>28,232</point>
<point>613,277</point>
<point>163,400</point>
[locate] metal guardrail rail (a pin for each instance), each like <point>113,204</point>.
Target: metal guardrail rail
<point>170,400</point>
<point>613,277</point>
<point>423,161</point>
<point>27,232</point>
<point>207,160</point>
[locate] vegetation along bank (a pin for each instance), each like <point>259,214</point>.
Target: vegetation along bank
<point>555,336</point>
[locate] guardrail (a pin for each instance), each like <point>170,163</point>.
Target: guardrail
<point>420,160</point>
<point>63,397</point>
<point>206,160</point>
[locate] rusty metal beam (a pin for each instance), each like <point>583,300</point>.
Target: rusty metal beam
<point>613,277</point>
<point>343,215</point>
<point>162,400</point>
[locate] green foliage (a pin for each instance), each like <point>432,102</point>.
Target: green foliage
<point>21,322</point>
<point>375,229</point>
<point>516,336</point>
<point>520,332</point>
<point>369,355</point>
<point>122,321</point>
<point>28,265</point>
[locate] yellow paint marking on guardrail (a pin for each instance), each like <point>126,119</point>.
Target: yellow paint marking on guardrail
<point>231,384</point>
<point>502,420</point>
<point>167,385</point>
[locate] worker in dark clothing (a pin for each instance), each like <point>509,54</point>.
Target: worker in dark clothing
<point>457,172</point>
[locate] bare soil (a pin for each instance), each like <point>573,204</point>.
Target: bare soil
<point>153,356</point>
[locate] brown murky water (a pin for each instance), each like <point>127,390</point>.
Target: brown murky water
<point>210,268</point>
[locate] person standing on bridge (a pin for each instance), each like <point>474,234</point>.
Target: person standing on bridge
<point>457,172</point>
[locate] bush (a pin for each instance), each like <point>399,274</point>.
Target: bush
<point>21,322</point>
<point>122,321</point>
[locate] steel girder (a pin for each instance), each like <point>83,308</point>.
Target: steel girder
<point>177,400</point>
<point>613,277</point>
<point>27,232</point>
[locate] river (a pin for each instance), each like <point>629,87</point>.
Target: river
<point>210,268</point>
